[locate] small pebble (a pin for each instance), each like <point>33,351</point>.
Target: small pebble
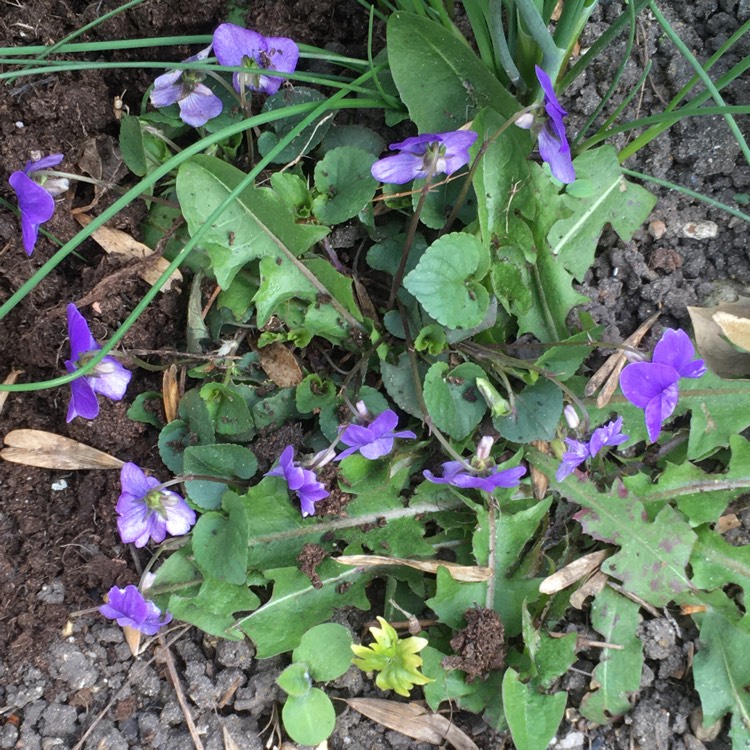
<point>700,230</point>
<point>657,229</point>
<point>59,486</point>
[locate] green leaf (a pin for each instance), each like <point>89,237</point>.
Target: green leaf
<point>173,439</point>
<point>439,78</point>
<point>309,719</point>
<point>353,135</point>
<point>452,599</point>
<point>175,573</point>
<point>224,460</point>
<point>308,139</point>
<point>326,650</point>
<point>139,413</point>
<point>716,563</point>
<point>551,657</point>
<point>345,184</point>
<point>701,496</point>
<point>721,672</point>
<point>213,608</point>
<point>314,393</point>
<point>615,201</point>
<point>533,717</point>
<point>446,280</point>
<point>220,541</point>
<point>515,567</point>
<point>295,193</point>
<point>255,225</point>
<point>229,412</point>
<point>295,679</point>
<point>452,398</point>
<point>398,381</point>
<point>131,145</point>
<point>618,674</point>
<point>537,411</point>
<point>299,605</point>
<point>653,556</point>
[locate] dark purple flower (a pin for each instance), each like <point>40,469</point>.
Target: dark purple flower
<point>653,386</point>
<point>376,439</point>
<point>553,143</point>
<point>198,104</point>
<point>109,377</point>
<point>302,481</point>
<point>35,199</point>
<point>430,153</point>
<point>243,48</point>
<point>455,474</point>
<point>579,452</point>
<point>144,513</point>
<point>130,609</point>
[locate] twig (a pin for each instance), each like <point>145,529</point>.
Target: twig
<point>175,680</point>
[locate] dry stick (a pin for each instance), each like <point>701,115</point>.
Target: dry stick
<point>175,680</point>
<point>610,370</point>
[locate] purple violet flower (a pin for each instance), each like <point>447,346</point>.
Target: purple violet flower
<point>430,153</point>
<point>579,452</point>
<point>302,481</point>
<point>553,144</point>
<point>243,48</point>
<point>144,513</point>
<point>35,197</point>
<point>198,104</point>
<point>486,476</point>
<point>375,440</point>
<point>653,386</point>
<point>109,377</point>
<point>130,609</point>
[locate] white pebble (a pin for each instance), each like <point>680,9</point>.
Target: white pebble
<point>700,230</point>
<point>59,486</point>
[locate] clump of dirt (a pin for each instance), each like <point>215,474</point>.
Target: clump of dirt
<point>480,646</point>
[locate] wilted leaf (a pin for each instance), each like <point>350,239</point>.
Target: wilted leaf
<point>280,365</point>
<point>458,572</point>
<point>50,451</point>
<point>713,326</point>
<point>170,393</point>
<point>115,241</point>
<point>572,572</point>
<point>413,721</point>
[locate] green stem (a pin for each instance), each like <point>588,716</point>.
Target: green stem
<point>413,224</point>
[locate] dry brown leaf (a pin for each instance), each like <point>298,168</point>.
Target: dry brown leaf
<point>121,243</point>
<point>133,639</point>
<point>470,573</point>
<point>170,393</point>
<point>608,375</point>
<point>713,326</point>
<point>414,721</point>
<point>572,572</point>
<point>49,451</point>
<point>727,523</point>
<point>280,365</point>
<point>101,160</point>
<point>539,480</point>
<point>589,588</point>
<point>9,380</point>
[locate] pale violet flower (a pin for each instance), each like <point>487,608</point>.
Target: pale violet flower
<point>304,482</point>
<point>430,153</point>
<point>579,452</point>
<point>109,377</point>
<point>35,197</point>
<point>374,440</point>
<point>198,104</point>
<point>130,609</point>
<point>258,54</point>
<point>653,386</point>
<point>145,513</point>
